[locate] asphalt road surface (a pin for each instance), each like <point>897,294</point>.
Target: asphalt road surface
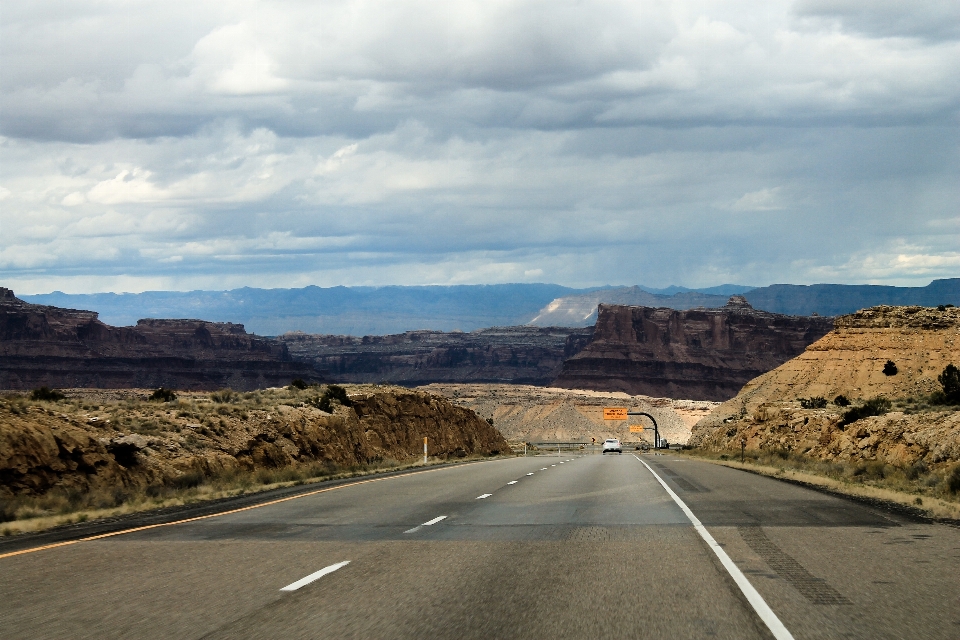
<point>539,547</point>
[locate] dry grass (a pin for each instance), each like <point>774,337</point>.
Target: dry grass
<point>933,491</point>
<point>55,509</point>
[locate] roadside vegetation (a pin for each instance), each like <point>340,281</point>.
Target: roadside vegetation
<point>191,423</point>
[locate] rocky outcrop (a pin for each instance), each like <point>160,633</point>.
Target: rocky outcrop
<point>850,361</point>
<point>45,446</point>
<point>518,355</point>
<point>537,414</point>
<point>701,354</point>
<point>49,346</point>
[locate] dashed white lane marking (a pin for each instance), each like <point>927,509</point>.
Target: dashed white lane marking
<point>553,465</point>
<point>759,605</point>
<point>529,474</point>
<point>561,462</point>
<point>544,469</point>
<point>314,576</point>
<point>426,524</point>
<point>512,482</point>
<point>486,495</point>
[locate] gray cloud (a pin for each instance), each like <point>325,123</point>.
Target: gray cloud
<point>179,146</point>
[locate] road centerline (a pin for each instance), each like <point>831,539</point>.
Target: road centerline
<point>302,582</point>
<point>760,606</point>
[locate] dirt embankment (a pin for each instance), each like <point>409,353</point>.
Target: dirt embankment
<point>545,414</point>
<point>106,440</point>
<point>850,361</point>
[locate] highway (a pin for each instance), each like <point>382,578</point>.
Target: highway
<point>538,547</point>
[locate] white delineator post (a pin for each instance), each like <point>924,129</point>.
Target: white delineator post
<point>424,451</point>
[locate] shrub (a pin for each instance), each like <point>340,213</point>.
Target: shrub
<point>819,402</point>
<point>45,393</point>
<point>872,407</point>
<point>298,383</point>
<point>841,401</point>
<point>223,395</point>
<point>163,395</point>
<point>890,368</point>
<point>950,381</point>
<point>333,393</point>
<point>953,480</point>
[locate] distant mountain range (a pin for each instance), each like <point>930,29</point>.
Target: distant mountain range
<point>360,311</point>
<point>580,309</point>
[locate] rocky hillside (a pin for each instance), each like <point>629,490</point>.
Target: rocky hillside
<point>536,414</point>
<point>850,361</point>
<point>701,354</point>
<point>519,355</point>
<point>107,440</point>
<point>54,347</point>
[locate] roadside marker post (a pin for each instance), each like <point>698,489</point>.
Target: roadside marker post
<point>424,451</point>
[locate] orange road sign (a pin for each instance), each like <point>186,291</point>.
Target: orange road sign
<point>636,428</point>
<point>614,413</point>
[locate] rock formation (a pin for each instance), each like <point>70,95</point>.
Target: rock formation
<point>700,354</point>
<point>850,361</point>
<point>537,414</point>
<point>519,355</point>
<point>49,346</point>
<point>45,446</point>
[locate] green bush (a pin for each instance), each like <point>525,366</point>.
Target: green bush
<point>872,407</point>
<point>818,402</point>
<point>890,368</point>
<point>298,383</point>
<point>953,480</point>
<point>163,395</point>
<point>950,381</point>
<point>841,401</point>
<point>333,393</point>
<point>47,394</point>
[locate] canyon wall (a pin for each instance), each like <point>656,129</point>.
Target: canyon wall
<point>518,355</point>
<point>54,347</point>
<point>700,354</point>
<point>850,361</point>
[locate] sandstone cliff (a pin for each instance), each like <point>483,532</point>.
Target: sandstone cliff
<point>537,414</point>
<point>49,346</point>
<point>519,355</point>
<point>850,361</point>
<point>98,443</point>
<point>701,354</point>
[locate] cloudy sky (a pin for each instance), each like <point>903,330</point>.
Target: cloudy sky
<point>182,145</point>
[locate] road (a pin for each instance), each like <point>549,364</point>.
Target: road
<point>571,547</point>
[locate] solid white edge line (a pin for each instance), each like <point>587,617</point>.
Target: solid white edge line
<point>756,601</point>
<point>434,521</point>
<point>314,576</point>
<point>486,495</point>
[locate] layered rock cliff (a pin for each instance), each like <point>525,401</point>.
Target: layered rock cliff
<point>700,354</point>
<point>124,442</point>
<point>518,355</point>
<point>49,346</point>
<point>850,361</point>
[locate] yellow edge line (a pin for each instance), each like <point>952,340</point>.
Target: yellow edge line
<point>211,515</point>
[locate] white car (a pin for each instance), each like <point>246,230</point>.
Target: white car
<point>611,445</point>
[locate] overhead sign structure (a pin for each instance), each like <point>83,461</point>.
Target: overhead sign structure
<point>614,413</point>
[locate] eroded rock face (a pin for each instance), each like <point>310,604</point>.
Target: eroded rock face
<point>519,355</point>
<point>850,361</point>
<point>49,346</point>
<point>700,354</point>
<point>43,449</point>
